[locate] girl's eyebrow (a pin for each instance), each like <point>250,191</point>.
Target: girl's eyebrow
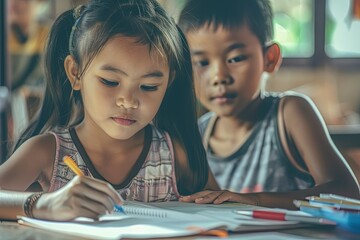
<point>154,74</point>
<point>110,68</point>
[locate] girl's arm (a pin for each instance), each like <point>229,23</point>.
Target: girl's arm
<point>11,204</point>
<point>305,130</point>
<point>81,197</point>
<point>22,169</point>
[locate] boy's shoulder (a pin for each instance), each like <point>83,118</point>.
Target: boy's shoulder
<point>292,102</point>
<point>204,119</point>
<point>294,97</point>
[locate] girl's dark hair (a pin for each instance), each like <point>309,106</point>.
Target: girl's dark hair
<point>229,14</point>
<point>93,25</point>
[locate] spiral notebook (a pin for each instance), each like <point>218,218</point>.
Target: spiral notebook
<point>167,219</point>
<point>140,221</point>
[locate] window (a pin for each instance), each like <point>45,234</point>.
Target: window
<point>342,29</point>
<point>318,32</point>
<point>294,27</point>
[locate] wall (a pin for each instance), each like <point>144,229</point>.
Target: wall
<point>335,91</point>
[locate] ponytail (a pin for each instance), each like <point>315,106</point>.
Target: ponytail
<point>59,98</point>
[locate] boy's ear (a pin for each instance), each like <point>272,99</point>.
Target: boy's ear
<point>273,58</point>
<point>72,72</point>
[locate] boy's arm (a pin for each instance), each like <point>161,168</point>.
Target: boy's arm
<point>305,128</point>
<point>212,184</point>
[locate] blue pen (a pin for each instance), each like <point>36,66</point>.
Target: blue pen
<point>119,209</point>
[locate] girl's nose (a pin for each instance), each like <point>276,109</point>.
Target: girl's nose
<point>127,102</point>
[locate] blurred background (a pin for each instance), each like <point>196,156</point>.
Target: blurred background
<point>320,42</point>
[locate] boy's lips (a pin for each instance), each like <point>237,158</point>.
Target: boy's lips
<point>223,98</point>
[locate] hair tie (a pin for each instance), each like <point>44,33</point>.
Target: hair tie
<point>77,13</point>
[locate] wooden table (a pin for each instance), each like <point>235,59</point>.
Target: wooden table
<point>12,230</point>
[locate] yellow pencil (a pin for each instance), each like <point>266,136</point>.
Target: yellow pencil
<point>72,165</point>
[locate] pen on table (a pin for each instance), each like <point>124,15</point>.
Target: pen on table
<point>331,200</point>
<point>281,216</point>
<point>318,205</point>
<point>74,167</point>
<point>338,197</point>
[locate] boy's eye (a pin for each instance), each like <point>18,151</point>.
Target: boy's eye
<point>149,88</point>
<point>108,83</point>
<point>202,63</point>
<point>237,59</point>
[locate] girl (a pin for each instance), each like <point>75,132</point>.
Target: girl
<point>115,70</point>
<point>264,148</point>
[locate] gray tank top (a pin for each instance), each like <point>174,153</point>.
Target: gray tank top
<point>260,164</point>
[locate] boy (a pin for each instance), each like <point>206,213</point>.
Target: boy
<point>264,149</point>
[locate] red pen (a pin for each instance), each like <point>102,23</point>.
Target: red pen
<point>282,216</point>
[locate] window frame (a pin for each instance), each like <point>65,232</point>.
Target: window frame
<point>320,58</point>
<point>3,80</point>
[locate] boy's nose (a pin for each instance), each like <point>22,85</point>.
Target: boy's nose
<point>223,81</point>
<point>221,76</point>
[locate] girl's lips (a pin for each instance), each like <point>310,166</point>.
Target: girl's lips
<point>124,121</point>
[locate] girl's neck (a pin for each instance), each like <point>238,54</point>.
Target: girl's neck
<point>98,141</point>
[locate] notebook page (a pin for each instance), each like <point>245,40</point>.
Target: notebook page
<point>125,228</point>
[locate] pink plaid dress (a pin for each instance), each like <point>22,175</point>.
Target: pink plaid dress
<point>152,178</point>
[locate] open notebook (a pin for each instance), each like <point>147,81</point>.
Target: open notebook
<point>167,219</point>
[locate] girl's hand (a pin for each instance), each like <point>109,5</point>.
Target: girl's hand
<point>81,197</point>
<point>218,197</point>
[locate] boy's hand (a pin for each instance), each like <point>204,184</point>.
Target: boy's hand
<point>218,197</point>
<point>81,197</point>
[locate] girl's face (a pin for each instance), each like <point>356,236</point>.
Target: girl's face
<point>123,87</point>
<point>228,65</point>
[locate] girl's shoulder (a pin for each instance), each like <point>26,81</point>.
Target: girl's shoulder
<point>40,146</point>
<point>32,159</point>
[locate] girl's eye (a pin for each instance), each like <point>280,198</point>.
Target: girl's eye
<point>149,88</point>
<point>109,83</point>
<point>237,59</point>
<point>202,63</point>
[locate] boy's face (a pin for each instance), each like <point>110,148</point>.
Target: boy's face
<point>228,65</point>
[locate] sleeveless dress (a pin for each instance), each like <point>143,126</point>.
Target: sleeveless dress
<point>260,164</point>
<point>152,178</point>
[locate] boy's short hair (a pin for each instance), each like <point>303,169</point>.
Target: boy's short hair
<point>229,14</point>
